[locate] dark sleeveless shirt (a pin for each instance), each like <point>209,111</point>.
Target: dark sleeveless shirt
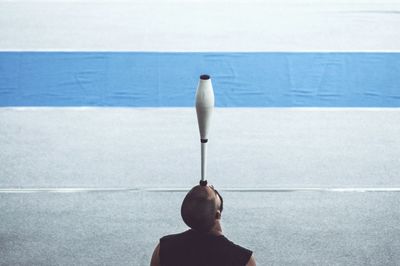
<point>191,248</point>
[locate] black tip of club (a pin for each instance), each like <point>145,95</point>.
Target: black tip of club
<point>204,77</point>
<point>203,183</point>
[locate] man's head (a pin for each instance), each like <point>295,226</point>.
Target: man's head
<point>201,207</point>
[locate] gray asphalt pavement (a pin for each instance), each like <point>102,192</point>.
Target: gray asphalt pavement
<point>155,147</point>
<point>122,228</point>
<point>149,149</point>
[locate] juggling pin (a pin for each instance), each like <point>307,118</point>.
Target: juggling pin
<point>204,109</point>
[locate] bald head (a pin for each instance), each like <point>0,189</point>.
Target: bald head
<point>200,208</point>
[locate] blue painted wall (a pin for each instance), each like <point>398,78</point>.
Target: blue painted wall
<point>146,79</point>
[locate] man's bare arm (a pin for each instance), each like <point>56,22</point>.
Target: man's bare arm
<point>155,259</point>
<point>252,261</point>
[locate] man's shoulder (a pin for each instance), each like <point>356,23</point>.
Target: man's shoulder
<point>175,236</point>
<point>172,245</point>
<point>240,253</point>
<point>234,245</point>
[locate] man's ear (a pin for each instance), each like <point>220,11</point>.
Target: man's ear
<point>218,215</point>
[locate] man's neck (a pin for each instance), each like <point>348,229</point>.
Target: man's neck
<point>217,229</point>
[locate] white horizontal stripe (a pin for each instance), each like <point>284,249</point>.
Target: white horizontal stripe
<point>177,189</point>
<point>334,25</point>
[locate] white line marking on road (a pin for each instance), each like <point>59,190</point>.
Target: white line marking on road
<point>177,189</point>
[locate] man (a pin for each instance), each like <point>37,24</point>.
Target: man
<point>203,244</point>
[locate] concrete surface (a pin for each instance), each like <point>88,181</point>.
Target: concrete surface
<point>158,149</point>
<point>122,228</point>
<point>193,25</point>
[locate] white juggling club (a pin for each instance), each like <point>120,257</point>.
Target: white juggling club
<point>204,109</point>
